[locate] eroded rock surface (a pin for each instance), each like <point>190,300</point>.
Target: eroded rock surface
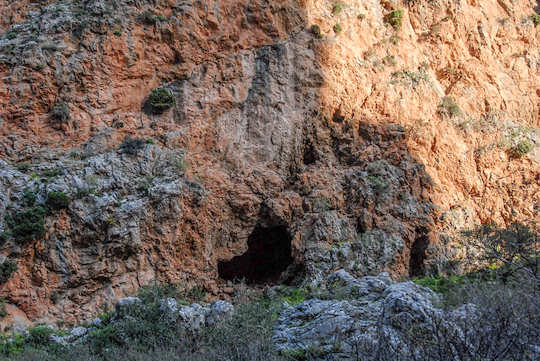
<point>382,319</point>
<point>344,142</point>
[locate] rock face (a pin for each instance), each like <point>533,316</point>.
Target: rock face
<point>346,145</point>
<point>383,320</point>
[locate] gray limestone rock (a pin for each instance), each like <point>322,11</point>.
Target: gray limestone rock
<point>219,312</point>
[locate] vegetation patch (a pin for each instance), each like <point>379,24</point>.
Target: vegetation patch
<point>3,311</point>
<point>23,167</point>
<point>145,334</point>
<point>60,112</point>
<point>449,107</point>
<point>535,19</point>
<point>132,146</point>
<point>7,269</point>
<point>148,17</point>
<point>316,31</point>
<point>521,149</point>
<point>28,224</point>
<point>4,236</point>
<point>508,252</point>
<point>338,8</point>
<point>39,336</point>
<point>394,40</point>
<point>29,198</point>
<point>378,184</point>
<point>11,345</point>
<point>395,18</point>
<point>440,284</point>
<point>58,200</point>
<point>50,173</point>
<point>321,204</point>
<point>160,100</point>
<point>294,296</point>
<point>338,29</point>
<point>390,60</point>
<point>411,77</point>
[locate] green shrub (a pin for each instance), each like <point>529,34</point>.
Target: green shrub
<point>160,100</point>
<point>3,311</point>
<point>294,296</point>
<point>298,354</point>
<point>390,60</point>
<point>39,336</point>
<point>338,8</point>
<point>535,19</point>
<point>440,284</point>
<point>338,29</point>
<point>23,167</point>
<point>361,17</point>
<point>521,149</point>
<point>321,204</point>
<point>11,345</point>
<point>60,112</point>
<point>316,31</point>
<point>4,236</point>
<point>29,198</point>
<point>449,106</point>
<point>378,185</point>
<point>147,18</point>
<point>180,163</point>
<point>102,339</point>
<point>394,40</point>
<point>6,270</point>
<point>49,173</point>
<point>28,224</point>
<point>58,200</point>
<point>54,297</point>
<point>132,146</point>
<point>394,18</point>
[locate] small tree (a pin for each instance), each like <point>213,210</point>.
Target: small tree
<point>6,270</point>
<point>58,200</point>
<point>506,251</point>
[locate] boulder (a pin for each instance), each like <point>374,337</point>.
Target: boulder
<point>219,312</point>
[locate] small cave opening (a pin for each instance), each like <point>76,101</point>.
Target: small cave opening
<point>310,155</point>
<point>267,256</point>
<point>418,253</point>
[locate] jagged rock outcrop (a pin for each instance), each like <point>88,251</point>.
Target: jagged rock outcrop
<point>380,319</point>
<point>344,143</point>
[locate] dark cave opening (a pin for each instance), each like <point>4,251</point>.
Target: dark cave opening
<point>268,255</point>
<point>418,253</point>
<point>310,155</point>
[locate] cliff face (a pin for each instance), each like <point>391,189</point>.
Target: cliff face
<point>322,133</point>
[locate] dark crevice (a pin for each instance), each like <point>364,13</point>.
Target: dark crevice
<point>310,154</point>
<point>268,255</point>
<point>418,253</point>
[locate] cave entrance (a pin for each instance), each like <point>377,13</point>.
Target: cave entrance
<point>267,256</point>
<point>418,253</point>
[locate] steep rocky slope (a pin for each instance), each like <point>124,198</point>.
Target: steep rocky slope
<point>329,134</point>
